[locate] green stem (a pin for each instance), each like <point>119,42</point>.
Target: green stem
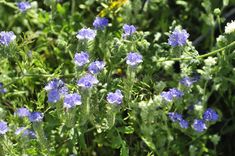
<point>82,140</point>
<point>129,84</point>
<point>212,36</point>
<point>219,23</point>
<point>53,10</point>
<point>71,113</point>
<point>87,102</point>
<point>201,56</point>
<point>85,107</point>
<point>58,109</point>
<point>11,5</point>
<point>37,126</point>
<point>73,7</point>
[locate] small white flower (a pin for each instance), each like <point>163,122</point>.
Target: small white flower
<point>210,61</point>
<point>230,27</point>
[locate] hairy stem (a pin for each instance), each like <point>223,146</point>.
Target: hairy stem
<point>201,56</point>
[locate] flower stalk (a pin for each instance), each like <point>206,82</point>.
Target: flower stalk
<point>37,126</point>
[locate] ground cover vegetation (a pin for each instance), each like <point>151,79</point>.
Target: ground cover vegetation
<point>117,77</point>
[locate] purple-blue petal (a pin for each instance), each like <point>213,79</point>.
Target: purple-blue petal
<point>178,38</point>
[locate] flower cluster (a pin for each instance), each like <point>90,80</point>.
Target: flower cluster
<point>72,100</point>
<point>23,6</point>
<point>82,58</point>
<point>36,117</point>
<point>22,112</point>
<point>56,89</point>
<point>230,27</point>
<point>86,34</point>
<point>96,67</point>
<point>87,81</point>
<point>209,115</point>
<point>32,116</point>
<point>100,23</point>
<point>178,38</point>
<point>24,132</point>
<point>175,117</point>
<point>7,37</point>
<point>134,59</point>
<point>128,30</point>
<point>171,94</point>
<point>199,125</point>
<point>115,98</point>
<point>3,127</point>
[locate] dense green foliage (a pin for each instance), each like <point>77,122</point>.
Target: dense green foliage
<point>44,49</point>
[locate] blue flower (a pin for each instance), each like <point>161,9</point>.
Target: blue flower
<point>55,90</point>
<point>183,123</point>
<point>133,59</point>
<point>115,98</point>
<point>87,81</point>
<point>128,30</point>
<point>7,37</point>
<point>71,100</point>
<point>63,90</point>
<point>81,59</point>
<point>35,117</point>
<point>2,90</point>
<point>53,96</point>
<point>86,34</point>
<point>100,23</point>
<point>210,115</point>
<point>199,125</point>
<point>96,67</point>
<point>171,94</point>
<point>187,81</point>
<point>3,127</point>
<point>22,112</point>
<point>175,117</point>
<point>23,6</point>
<point>176,93</point>
<point>25,132</point>
<point>167,96</point>
<point>54,84</point>
<point>178,38</point>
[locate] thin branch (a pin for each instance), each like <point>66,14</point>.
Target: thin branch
<point>200,56</point>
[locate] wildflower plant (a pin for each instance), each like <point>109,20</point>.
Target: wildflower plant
<point>115,98</point>
<point>81,59</point>
<point>7,37</point>
<point>23,6</point>
<point>86,34</point>
<point>3,127</point>
<point>116,78</point>
<point>178,38</point>
<point>100,23</point>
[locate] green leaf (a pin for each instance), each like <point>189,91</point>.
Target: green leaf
<point>127,130</point>
<point>61,10</point>
<point>124,151</point>
<point>149,143</point>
